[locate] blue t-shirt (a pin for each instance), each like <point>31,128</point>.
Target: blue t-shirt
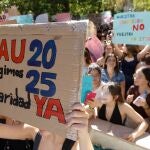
<point>117,77</point>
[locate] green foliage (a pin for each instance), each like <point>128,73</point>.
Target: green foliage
<point>76,7</point>
<point>141,5</point>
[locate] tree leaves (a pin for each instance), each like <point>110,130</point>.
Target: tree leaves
<point>76,7</point>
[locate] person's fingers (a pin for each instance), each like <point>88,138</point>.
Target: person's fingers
<point>129,138</point>
<point>75,120</point>
<point>141,102</point>
<point>79,127</point>
<point>91,103</point>
<point>130,98</point>
<point>78,106</point>
<point>75,113</point>
<point>125,138</point>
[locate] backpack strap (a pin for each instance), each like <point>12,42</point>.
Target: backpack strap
<point>68,144</point>
<point>37,140</point>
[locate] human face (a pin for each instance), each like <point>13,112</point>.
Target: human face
<point>96,77</point>
<point>111,62</point>
<point>139,78</point>
<point>109,49</point>
<point>104,96</point>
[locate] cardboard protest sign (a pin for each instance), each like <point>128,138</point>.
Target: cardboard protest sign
<point>103,131</point>
<point>40,72</point>
<point>132,28</point>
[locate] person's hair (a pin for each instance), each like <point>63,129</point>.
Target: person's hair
<point>133,49</point>
<point>146,72</point>
<point>101,35</point>
<point>147,59</point>
<point>107,43</point>
<point>94,66</point>
<point>87,56</point>
<point>117,63</point>
<point>115,90</point>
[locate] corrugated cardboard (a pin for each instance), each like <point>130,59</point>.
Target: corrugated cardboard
<point>69,40</point>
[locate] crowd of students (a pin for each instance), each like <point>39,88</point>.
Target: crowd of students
<point>122,79</point>
<point>121,83</point>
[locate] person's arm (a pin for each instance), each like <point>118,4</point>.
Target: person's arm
<point>122,84</point>
<point>147,111</point>
<point>22,131</point>
<point>129,98</point>
<point>130,95</point>
<point>118,51</point>
<point>145,103</point>
<point>141,54</point>
<point>78,120</point>
<point>137,118</point>
<point>100,61</point>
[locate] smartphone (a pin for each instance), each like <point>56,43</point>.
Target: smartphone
<point>90,97</point>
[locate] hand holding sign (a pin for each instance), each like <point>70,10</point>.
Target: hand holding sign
<point>40,70</point>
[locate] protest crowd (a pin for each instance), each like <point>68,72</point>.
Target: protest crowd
<point>120,95</point>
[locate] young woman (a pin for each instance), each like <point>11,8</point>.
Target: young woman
<point>112,73</point>
<point>43,140</point>
<point>95,71</point>
<point>107,50</point>
<point>111,107</point>
<point>139,94</point>
<point>129,61</point>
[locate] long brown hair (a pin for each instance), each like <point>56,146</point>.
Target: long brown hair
<point>146,72</point>
<point>115,90</point>
<point>105,47</point>
<point>117,63</point>
<point>87,56</point>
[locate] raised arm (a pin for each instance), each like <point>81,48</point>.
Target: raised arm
<point>78,120</point>
<point>118,51</point>
<point>141,54</point>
